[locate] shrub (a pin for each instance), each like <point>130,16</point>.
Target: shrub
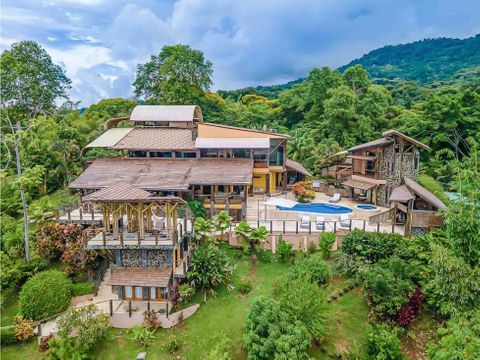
<point>7,336</point>
<point>150,320</point>
<point>459,340</point>
<point>305,302</point>
<point>16,273</point>
<point>313,269</point>
<point>209,268</point>
<point>433,186</point>
<point>173,344</point>
<point>407,314</point>
<point>273,333</point>
<point>251,237</point>
<point>303,191</point>
<point>45,294</point>
<point>90,325</point>
<point>186,292</point>
<point>284,250</point>
<point>221,350</point>
<point>389,285</point>
<point>245,286</point>
<point>265,256</point>
<point>371,247</point>
<point>80,289</point>
<point>453,285</point>
<point>326,241</point>
<point>382,344</point>
<point>44,343</point>
<point>312,247</point>
<point>23,328</point>
<point>142,334</point>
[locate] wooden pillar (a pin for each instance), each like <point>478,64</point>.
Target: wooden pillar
<point>141,229</point>
<point>227,200</point>
<point>284,182</point>
<point>244,202</point>
<point>267,188</point>
<point>212,201</point>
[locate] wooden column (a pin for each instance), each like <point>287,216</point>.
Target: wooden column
<point>284,182</point>
<point>227,200</point>
<point>244,203</point>
<point>267,188</point>
<point>141,228</point>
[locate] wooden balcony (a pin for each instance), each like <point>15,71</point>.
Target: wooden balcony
<point>124,239</point>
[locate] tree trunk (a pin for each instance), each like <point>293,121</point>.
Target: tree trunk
<point>22,195</point>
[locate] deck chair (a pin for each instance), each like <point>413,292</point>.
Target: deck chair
<point>335,198</point>
<point>320,223</point>
<point>344,220</point>
<point>305,222</point>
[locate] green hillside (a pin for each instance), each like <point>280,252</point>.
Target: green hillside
<point>433,62</point>
<point>424,61</point>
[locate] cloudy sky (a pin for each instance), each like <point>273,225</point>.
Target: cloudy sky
<point>250,42</point>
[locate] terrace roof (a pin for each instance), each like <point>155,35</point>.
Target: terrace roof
<point>140,276</point>
<point>164,174</point>
<point>168,113</point>
<point>118,192</point>
<point>401,194</point>
<point>156,139</point>
<point>424,193</point>
<point>290,164</point>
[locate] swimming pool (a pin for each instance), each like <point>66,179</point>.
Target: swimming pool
<point>366,207</point>
<point>321,208</point>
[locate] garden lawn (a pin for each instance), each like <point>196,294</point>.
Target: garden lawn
<point>225,315</point>
<point>9,306</point>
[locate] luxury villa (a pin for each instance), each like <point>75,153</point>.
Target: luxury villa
<point>385,172</point>
<point>136,197</point>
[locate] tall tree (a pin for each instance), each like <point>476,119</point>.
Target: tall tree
<point>178,75</point>
<point>31,83</point>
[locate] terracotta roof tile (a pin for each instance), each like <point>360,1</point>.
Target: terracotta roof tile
<point>140,276</point>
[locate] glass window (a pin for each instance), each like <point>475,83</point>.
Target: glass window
<point>164,293</point>
<point>209,153</point>
<point>181,154</point>
<point>241,153</point>
<point>153,293</point>
<point>128,292</point>
<point>161,154</point>
<point>137,153</point>
<point>138,292</point>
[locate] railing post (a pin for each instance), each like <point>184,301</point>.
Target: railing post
<point>104,239</point>
<point>271,226</point>
<point>378,226</point>
<point>39,329</point>
<point>111,307</point>
<point>129,308</point>
<point>69,215</point>
<point>181,230</point>
<point>57,215</point>
<point>156,238</point>
<point>258,224</point>
<point>121,238</point>
<point>364,224</point>
<point>309,227</point>
<point>350,225</point>
<point>148,306</point>
<point>92,213</point>
<point>296,226</point>
<point>138,237</point>
<point>393,227</point>
<point>283,232</point>
<point>166,311</point>
<point>335,227</point>
<point>81,212</point>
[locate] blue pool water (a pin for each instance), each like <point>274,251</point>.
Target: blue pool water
<point>366,207</point>
<point>321,208</point>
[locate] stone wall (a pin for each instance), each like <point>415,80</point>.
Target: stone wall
<point>154,258</point>
<point>401,168</point>
<point>131,258</point>
<point>158,258</point>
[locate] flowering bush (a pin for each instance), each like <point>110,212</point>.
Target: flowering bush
<point>23,328</point>
<point>303,191</point>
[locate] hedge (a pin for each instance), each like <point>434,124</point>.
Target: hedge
<point>7,336</point>
<point>45,294</point>
<point>80,289</point>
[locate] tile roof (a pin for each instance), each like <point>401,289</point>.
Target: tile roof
<point>140,276</point>
<point>109,138</point>
<point>394,132</point>
<point>424,193</point>
<point>401,194</point>
<point>156,139</point>
<point>118,192</point>
<point>359,184</point>
<point>164,174</point>
<point>378,142</point>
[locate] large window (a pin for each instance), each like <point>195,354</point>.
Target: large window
<point>160,154</point>
<point>260,158</point>
<point>151,293</point>
<point>182,154</point>
<point>209,153</point>
<point>241,153</point>
<point>137,153</point>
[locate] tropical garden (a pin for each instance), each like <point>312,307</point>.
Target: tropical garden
<point>380,296</point>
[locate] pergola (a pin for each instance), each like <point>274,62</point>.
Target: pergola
<point>138,207</point>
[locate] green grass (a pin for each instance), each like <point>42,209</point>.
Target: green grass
<point>225,315</point>
<point>434,187</point>
<point>9,306</point>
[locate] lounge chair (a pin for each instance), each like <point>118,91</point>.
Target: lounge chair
<point>305,222</point>
<point>335,198</point>
<point>344,220</point>
<point>320,223</point>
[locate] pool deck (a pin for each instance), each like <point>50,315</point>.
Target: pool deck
<point>257,210</point>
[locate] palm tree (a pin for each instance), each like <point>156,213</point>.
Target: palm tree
<point>203,229</point>
<point>222,222</point>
